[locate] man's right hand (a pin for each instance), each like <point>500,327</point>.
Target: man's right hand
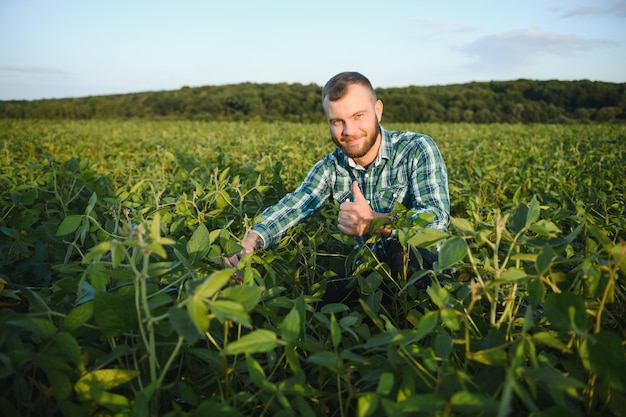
<point>252,242</point>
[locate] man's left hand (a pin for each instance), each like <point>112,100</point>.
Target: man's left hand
<point>355,216</point>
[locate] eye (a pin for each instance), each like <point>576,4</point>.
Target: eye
<point>359,115</point>
<point>335,122</point>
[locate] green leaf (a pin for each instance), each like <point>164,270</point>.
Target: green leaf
<point>452,251</point>
<point>324,358</point>
<point>78,316</point>
<point>428,237</point>
<point>545,259</point>
<point>443,345</point>
<point>513,274</point>
<point>69,346</point>
<point>619,253</point>
<point>427,324</point>
<point>257,341</point>
<point>95,385</point>
<point>199,244</point>
<point>450,318</point>
<point>99,250</point>
<point>463,225</point>
<point>422,403</point>
<point>545,228</point>
<point>115,313</point>
<point>439,295</point>
<point>517,220</point>
<point>551,340</point>
<point>214,282</point>
<point>246,295</point>
<point>222,199</point>
<point>604,355</point>
<point>291,325</point>
<point>257,374</point>
<point>92,203</point>
<point>230,310</point>
<point>566,311</point>
<point>367,404</point>
<point>335,331</point>
<point>533,212</point>
<point>183,325</point>
<point>470,402</point>
<point>42,328</point>
<point>385,383</point>
<point>536,291</point>
<point>69,224</point>
<point>60,383</point>
<point>493,357</point>
<point>197,308</point>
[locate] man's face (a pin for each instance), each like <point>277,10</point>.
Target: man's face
<point>354,123</point>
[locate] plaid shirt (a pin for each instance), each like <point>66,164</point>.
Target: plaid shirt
<point>409,169</point>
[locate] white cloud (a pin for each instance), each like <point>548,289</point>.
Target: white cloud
<point>597,8</point>
<point>521,50</point>
<point>14,69</point>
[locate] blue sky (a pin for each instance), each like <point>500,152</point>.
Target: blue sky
<point>72,48</point>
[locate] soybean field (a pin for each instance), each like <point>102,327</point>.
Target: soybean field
<point>114,298</point>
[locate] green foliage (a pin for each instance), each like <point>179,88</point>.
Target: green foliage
<point>520,101</point>
<point>115,299</point>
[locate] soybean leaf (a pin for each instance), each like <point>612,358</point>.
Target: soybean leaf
<point>427,237</point>
<point>257,374</point>
<point>385,383</point>
<point>494,356</point>
<point>427,324</point>
<point>290,328</point>
<point>566,311</point>
<point>470,402</point>
<point>198,313</point>
<point>214,282</point>
<point>324,358</point>
<point>603,354</point>
<point>78,316</point>
<point>114,313</point>
<point>453,250</point>
<point>95,385</point>
<point>335,331</point>
<point>199,244</point>
<point>183,325</point>
<point>257,341</point>
<point>533,212</point>
<point>230,310</point>
<point>367,404</point>
<point>69,224</point>
<point>246,295</point>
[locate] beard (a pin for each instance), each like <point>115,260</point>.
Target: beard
<point>356,152</point>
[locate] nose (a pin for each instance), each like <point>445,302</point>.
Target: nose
<point>349,128</point>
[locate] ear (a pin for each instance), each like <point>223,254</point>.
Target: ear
<point>378,107</point>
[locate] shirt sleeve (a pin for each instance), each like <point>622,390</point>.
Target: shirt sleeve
<point>306,200</point>
<point>429,181</point>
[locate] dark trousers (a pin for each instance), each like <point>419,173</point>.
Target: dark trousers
<point>346,291</point>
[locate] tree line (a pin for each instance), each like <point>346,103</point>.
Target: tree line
<point>518,101</point>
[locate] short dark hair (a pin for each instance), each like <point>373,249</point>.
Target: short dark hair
<point>336,87</point>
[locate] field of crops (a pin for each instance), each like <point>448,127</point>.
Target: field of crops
<point>114,299</point>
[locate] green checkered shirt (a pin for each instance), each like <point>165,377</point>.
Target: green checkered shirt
<point>409,169</point>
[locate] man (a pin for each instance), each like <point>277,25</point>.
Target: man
<point>376,167</point>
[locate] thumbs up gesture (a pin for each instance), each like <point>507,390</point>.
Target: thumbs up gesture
<point>355,216</point>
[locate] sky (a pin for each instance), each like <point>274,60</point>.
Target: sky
<point>78,48</point>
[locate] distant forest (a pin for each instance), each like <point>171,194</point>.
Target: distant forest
<point>520,101</point>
